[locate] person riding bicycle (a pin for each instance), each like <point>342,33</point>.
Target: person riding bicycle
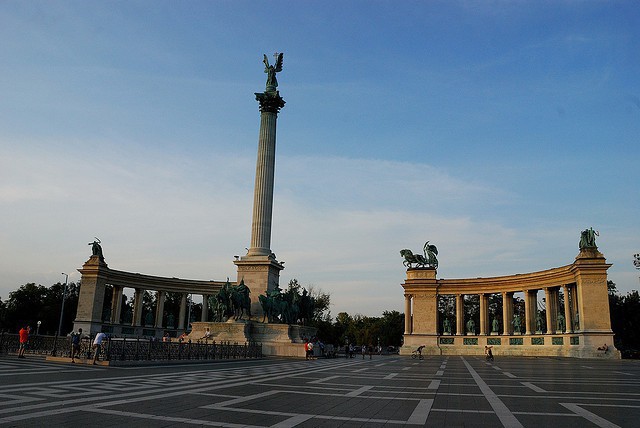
<point>488,353</point>
<point>419,350</point>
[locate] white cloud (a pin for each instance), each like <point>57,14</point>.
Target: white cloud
<point>338,223</point>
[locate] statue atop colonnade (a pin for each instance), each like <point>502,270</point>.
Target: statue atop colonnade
<point>429,258</point>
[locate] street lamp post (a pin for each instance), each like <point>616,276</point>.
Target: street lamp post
<point>64,295</point>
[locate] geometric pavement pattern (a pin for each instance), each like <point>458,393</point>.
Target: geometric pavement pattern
<point>386,391</point>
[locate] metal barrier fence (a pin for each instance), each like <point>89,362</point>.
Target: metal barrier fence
<point>133,349</point>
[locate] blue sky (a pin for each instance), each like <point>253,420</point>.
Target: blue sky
<point>497,130</point>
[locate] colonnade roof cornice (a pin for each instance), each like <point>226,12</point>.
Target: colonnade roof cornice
<point>159,283</point>
<point>554,277</point>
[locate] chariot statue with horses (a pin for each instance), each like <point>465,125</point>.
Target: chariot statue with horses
<point>427,259</point>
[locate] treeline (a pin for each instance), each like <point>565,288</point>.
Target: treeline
<point>386,330</point>
<point>32,303</point>
<point>625,320</point>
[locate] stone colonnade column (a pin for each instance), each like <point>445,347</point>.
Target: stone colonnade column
<point>548,296</point>
<point>484,314</point>
<point>204,317</point>
<point>575,317</point>
<point>407,314</point>
<point>159,308</point>
<point>183,311</point>
<point>460,314</point>
<point>567,309</point>
<point>116,304</point>
<point>507,312</point>
<point>137,307</point>
<point>530,307</point>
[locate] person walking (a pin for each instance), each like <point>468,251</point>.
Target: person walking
<point>24,339</point>
<point>75,344</point>
<point>97,346</point>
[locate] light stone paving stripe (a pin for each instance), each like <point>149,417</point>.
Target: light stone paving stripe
<point>292,422</point>
<point>502,411</point>
<point>359,391</point>
<point>591,417</point>
<point>435,384</point>
<point>170,418</point>
<point>324,379</point>
<point>509,375</point>
<point>360,370</point>
<point>247,398</point>
<point>420,413</point>
<point>439,373</point>
<point>533,387</point>
<point>380,365</point>
<point>406,368</point>
<point>11,400</point>
<point>627,374</point>
<point>390,376</point>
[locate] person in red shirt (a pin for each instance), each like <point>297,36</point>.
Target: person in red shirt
<point>24,338</point>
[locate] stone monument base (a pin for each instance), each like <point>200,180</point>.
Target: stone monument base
<point>282,340</point>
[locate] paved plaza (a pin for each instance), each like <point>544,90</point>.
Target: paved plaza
<point>386,391</point>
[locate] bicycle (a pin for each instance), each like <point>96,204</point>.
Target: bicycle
<point>417,353</point>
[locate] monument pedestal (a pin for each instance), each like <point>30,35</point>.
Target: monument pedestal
<point>260,274</point>
<point>282,340</point>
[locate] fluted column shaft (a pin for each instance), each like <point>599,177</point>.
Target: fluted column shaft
<point>183,311</point>
<point>567,309</point>
<point>204,317</point>
<point>460,314</point>
<point>116,304</point>
<point>137,307</point>
<point>263,191</point>
<point>548,295</point>
<point>528,318</point>
<point>484,313</point>
<point>407,314</point>
<point>159,308</point>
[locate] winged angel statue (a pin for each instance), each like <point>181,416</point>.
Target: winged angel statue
<point>429,258</point>
<point>271,70</point>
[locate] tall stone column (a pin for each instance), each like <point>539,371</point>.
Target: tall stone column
<point>460,314</point>
<point>259,268</point>
<point>270,105</point>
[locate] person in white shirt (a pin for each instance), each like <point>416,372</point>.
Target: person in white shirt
<point>97,346</point>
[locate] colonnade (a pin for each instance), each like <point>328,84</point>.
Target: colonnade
<point>555,322</point>
<point>574,325</point>
<point>137,321</point>
<point>96,276</point>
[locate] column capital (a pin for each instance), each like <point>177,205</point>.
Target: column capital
<point>270,102</point>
